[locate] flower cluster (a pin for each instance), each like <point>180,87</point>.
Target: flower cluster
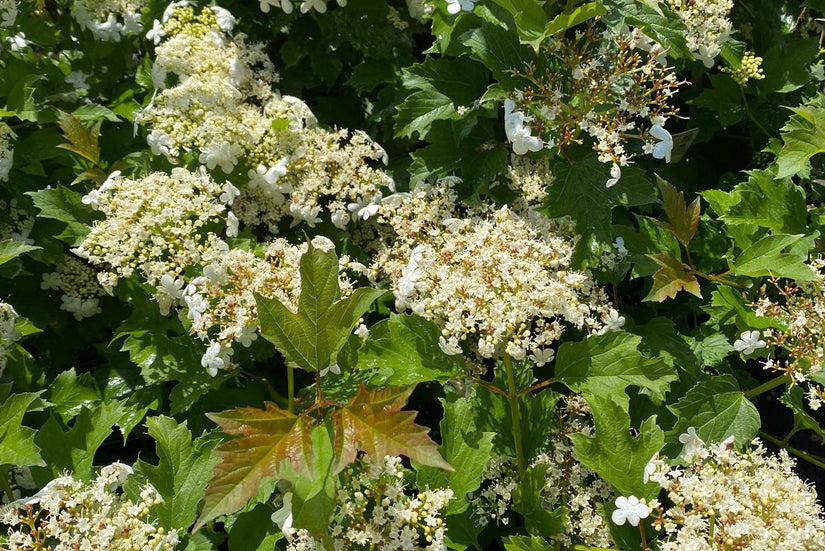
<point>78,285</point>
<point>304,6</point>
<point>500,282</point>
<point>224,110</point>
<point>69,514</point>
<point>8,331</point>
<point>109,20</point>
<point>158,224</point>
<point>750,68</point>
<point>801,311</point>
<point>493,499</point>
<point>6,151</point>
<point>726,499</point>
<point>708,26</point>
<point>602,84</point>
<point>15,223</point>
<point>375,510</point>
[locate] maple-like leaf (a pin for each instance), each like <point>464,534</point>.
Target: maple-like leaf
<point>80,140</point>
<point>670,279</point>
<point>270,441</point>
<point>683,219</point>
<point>374,423</point>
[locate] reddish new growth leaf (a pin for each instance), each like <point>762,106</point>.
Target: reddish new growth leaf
<point>670,279</point>
<point>269,440</point>
<point>374,423</point>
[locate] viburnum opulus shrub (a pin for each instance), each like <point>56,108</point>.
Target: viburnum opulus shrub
<point>382,275</point>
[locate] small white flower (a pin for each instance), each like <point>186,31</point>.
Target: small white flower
<point>615,175</point>
<point>455,6</point>
<point>365,208</point>
<point>664,147</point>
<point>318,5</point>
<point>160,143</point>
<point>156,33</point>
<point>449,346</point>
<point>214,359</point>
<point>362,332</point>
<point>334,368</point>
<point>77,79</point>
<point>650,468</point>
<point>619,245</point>
<point>543,356</point>
<point>283,517</point>
<point>18,41</point>
<point>707,54</point>
<point>231,225</point>
<point>223,154</point>
<point>225,19</point>
<point>748,342</point>
<point>629,509</point>
<point>229,194</point>
<point>691,441</point>
<point>323,243</point>
<point>517,133</point>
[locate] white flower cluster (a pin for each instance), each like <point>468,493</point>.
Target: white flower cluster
<point>493,499</point>
<point>78,285</point>
<point>15,223</point>
<point>571,484</point>
<point>708,26</point>
<point>726,499</point>
<point>6,151</point>
<point>595,68</point>
<point>8,12</point>
<point>375,510</point>
<point>304,6</point>
<point>500,282</point>
<point>109,20</point>
<point>157,224</point>
<point>224,113</point>
<point>70,514</point>
<point>8,332</point>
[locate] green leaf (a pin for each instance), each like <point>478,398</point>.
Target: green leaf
<point>12,249</point>
<point>530,20</point>
<point>94,112</point>
<point>374,423</point>
<point>70,393</point>
<point>61,203</point>
<point>683,220</point>
<point>579,191</point>
<point>724,98</point>
<point>462,80</point>
<point>605,365</point>
<point>802,420</point>
<point>74,449</point>
<point>404,350</point>
<point>717,408</point>
<point>803,137</point>
<point>766,258</point>
<point>465,447</point>
<point>574,16</point>
<point>613,453</point>
<point>499,51</point>
<point>525,543</point>
<point>670,279</point>
<point>314,336</point>
<point>313,499</point>
<point>182,473</point>
<point>767,201</point>
<point>254,531</point>
<point>420,110</point>
<point>529,502</point>
<point>665,28</point>
<point>80,140</point>
<point>17,442</point>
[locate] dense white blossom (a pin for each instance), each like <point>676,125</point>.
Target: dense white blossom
<point>8,332</point>
<point>78,285</point>
<point>109,19</point>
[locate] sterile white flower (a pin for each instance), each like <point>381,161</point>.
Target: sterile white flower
<point>517,133</point>
<point>543,356</point>
<point>663,148</point>
<point>691,441</point>
<point>748,342</point>
<point>455,6</point>
<point>629,509</point>
<point>615,175</point>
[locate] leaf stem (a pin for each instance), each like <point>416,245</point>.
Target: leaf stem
<point>764,387</point>
<point>489,386</point>
<point>512,397</point>
<point>537,386</point>
<point>751,117</point>
<point>799,453</point>
<point>718,279</point>
<point>290,383</point>
<point>644,537</point>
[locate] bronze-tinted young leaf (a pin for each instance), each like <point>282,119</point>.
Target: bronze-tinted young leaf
<point>374,423</point>
<point>670,279</point>
<point>271,441</point>
<point>683,220</point>
<point>81,140</point>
